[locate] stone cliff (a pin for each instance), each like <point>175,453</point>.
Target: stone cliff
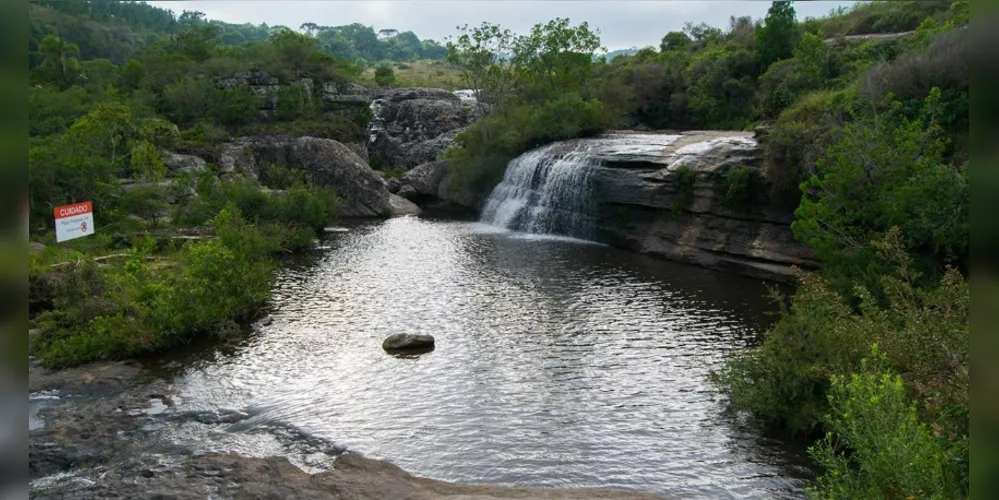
<point>645,207</point>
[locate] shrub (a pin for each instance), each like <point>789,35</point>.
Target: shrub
<point>684,177</point>
<point>394,172</point>
<point>923,334</point>
<point>798,137</point>
<point>292,102</point>
<point>234,106</point>
<point>139,307</point>
<point>188,100</point>
<point>739,188</point>
<point>878,173</point>
<point>384,76</point>
<point>276,177</point>
<point>942,64</point>
<point>876,446</point>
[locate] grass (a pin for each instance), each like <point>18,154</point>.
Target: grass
<point>434,74</point>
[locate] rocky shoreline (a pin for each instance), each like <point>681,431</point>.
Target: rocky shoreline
<point>113,430</point>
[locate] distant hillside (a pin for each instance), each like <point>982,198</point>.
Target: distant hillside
<point>116,30</point>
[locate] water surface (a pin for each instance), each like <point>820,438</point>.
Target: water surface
<point>558,362</point>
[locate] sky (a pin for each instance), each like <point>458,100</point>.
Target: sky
<point>622,24</point>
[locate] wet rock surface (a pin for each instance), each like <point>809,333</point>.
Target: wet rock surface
<point>110,433</point>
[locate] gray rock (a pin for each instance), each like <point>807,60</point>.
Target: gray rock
<point>325,161</point>
<point>402,206</point>
<point>35,247</point>
<point>637,186</point>
<point>408,125</point>
<point>330,163</point>
<point>393,184</point>
<point>407,191</point>
<point>183,164</point>
<point>425,179</point>
<point>403,341</point>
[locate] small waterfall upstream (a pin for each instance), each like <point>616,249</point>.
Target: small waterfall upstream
<point>547,191</point>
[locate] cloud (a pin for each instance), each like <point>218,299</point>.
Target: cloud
<point>622,24</point>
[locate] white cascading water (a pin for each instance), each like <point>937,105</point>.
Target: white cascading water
<point>544,192</point>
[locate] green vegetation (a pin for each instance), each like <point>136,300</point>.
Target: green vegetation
<point>178,253</point>
<point>535,97</point>
<point>384,76</point>
<point>864,139</point>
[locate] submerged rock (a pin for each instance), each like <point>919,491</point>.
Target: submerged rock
<point>408,341</point>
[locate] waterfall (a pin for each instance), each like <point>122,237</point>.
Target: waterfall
<point>547,191</point>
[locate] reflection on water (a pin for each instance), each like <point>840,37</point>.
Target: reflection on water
<point>558,363</point>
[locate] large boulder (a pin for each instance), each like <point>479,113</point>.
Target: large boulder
<point>402,206</point>
<point>432,181</point>
<point>330,163</point>
<point>414,125</point>
<point>326,162</point>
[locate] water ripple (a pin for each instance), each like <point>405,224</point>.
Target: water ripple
<point>557,363</point>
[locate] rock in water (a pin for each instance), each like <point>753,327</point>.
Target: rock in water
<point>402,206</point>
<point>408,342</point>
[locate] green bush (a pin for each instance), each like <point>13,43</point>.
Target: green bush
<point>876,446</point>
<point>384,76</point>
<point>140,307</point>
<point>292,102</point>
<point>235,106</point>
<point>394,172</point>
<point>923,333</point>
<point>276,177</point>
<point>739,188</point>
<point>878,173</point>
<point>685,177</point>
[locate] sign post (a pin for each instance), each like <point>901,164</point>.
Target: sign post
<point>74,221</point>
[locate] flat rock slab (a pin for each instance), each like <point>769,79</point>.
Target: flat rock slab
<point>408,342</point>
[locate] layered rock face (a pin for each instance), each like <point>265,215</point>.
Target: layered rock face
<point>413,126</point>
<point>666,195</point>
<point>638,191</point>
<point>266,88</point>
<point>326,162</point>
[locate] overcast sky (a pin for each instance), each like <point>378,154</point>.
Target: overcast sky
<point>622,24</point>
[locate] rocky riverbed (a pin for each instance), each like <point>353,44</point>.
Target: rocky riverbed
<point>110,430</point>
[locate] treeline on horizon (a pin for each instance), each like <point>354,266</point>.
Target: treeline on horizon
<point>113,30</point>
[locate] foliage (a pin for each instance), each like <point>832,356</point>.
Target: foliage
<point>139,307</point>
<point>293,102</point>
<point>482,152</point>
<point>59,66</point>
<point>873,429</point>
<point>235,106</point>
<point>685,177</point>
<point>146,162</point>
<point>777,36</point>
<point>394,172</point>
<point>738,187</point>
<point>384,76</point>
<point>882,172</point>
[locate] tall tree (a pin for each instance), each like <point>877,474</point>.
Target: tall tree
<point>777,37</point>
<point>59,66</point>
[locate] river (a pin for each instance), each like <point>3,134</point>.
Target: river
<point>558,362</point>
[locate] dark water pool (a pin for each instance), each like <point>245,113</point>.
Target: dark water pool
<point>558,362</point>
